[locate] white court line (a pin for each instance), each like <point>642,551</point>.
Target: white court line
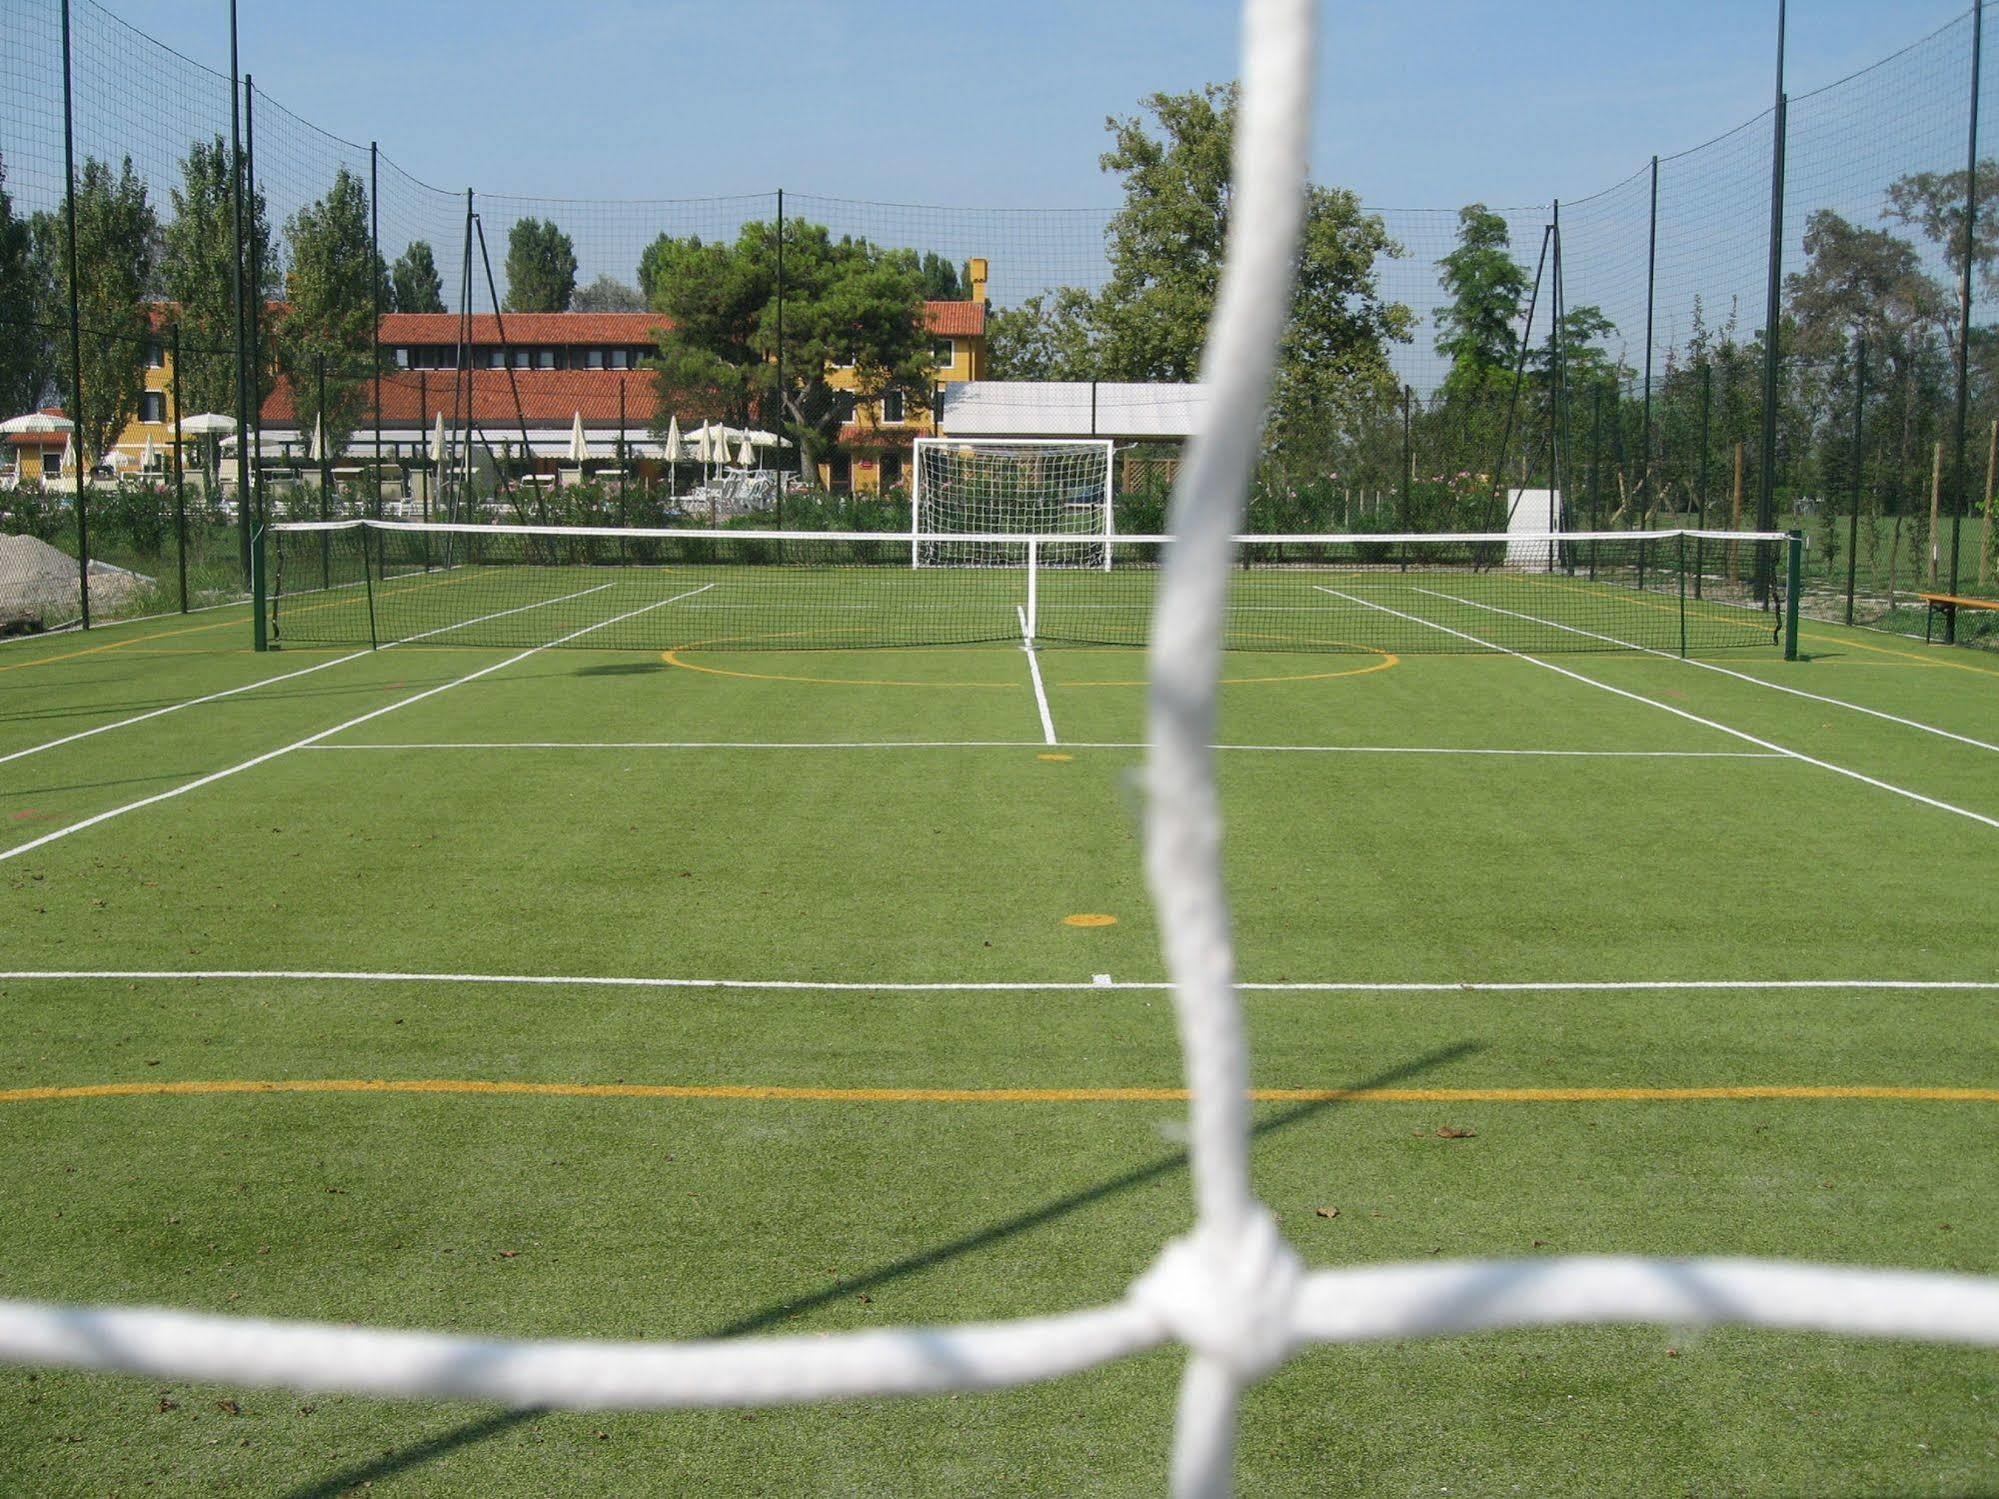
<point>1740,676</point>
<point>465,624</point>
<point>614,981</point>
<point>1034,671</point>
<point>1840,770</point>
<point>311,739</point>
<point>195,702</point>
<point>872,744</point>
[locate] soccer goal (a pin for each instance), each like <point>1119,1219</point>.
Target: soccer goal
<point>988,489</point>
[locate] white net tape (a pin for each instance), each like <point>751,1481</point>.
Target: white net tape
<point>1232,1290</point>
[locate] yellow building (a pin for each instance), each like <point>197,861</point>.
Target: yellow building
<point>155,417</point>
<point>875,444</point>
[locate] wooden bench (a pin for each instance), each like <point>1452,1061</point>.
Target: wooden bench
<point>1948,604</point>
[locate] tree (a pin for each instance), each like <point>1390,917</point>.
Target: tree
<point>541,267</point>
<point>330,293</point>
<point>1166,247</point>
<point>414,285</point>
<point>27,343</point>
<point>197,272</point>
<point>1486,286</point>
<point>1933,202</point>
<point>942,279</point>
<point>1862,281</point>
<point>1047,337</point>
<point>848,306</point>
<point>608,294</point>
<point>1872,282</point>
<point>117,244</point>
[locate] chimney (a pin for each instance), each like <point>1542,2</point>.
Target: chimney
<point>975,272</point>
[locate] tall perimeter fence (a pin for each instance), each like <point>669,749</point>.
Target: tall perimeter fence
<point>221,248</point>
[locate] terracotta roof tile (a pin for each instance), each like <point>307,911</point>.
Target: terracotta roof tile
<point>955,319</point>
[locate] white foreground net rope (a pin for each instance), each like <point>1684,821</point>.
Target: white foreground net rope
<point>1232,1290</point>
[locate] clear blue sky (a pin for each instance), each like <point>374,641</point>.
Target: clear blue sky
<point>1423,103</point>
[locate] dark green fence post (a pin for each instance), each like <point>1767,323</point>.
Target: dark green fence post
<point>1595,472</point>
<point>1683,593</point>
<point>374,505</point>
<point>1408,463</point>
<point>1959,506</point>
<point>180,477</point>
<point>1700,499</point>
<point>325,471</point>
<point>1794,567</point>
<point>1651,289</point>
<point>1766,492</point>
<point>1859,469</point>
<point>75,329</point>
<point>250,436</point>
<point>368,584</point>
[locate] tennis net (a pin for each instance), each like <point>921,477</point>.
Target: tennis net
<point>387,582</point>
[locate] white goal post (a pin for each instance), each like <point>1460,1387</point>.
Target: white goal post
<point>996,486</point>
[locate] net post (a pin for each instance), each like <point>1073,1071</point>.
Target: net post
<point>1859,467</point>
<point>916,503</point>
<point>180,477</point>
<point>259,626</point>
<point>1034,584</point>
<point>1682,561</point>
<point>1110,495</point>
<point>368,586</point>
<point>1794,566</point>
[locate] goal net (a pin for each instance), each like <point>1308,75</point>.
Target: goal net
<point>989,488</point>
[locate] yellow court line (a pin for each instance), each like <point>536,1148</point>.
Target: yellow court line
<point>220,624</point>
<point>1600,590</point>
<point>1887,650</point>
<point>761,1093</point>
<point>115,645</point>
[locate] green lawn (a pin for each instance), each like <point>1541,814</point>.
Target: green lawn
<point>614,814</point>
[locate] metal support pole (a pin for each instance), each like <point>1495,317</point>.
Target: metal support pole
<point>1766,493</point>
<point>1558,375</point>
<point>253,433</point>
<point>1595,471</point>
<point>75,327</point>
<point>1519,377</point>
<point>1700,498</point>
<point>1682,570</point>
<point>375,326</point>
<point>1859,468</point>
<point>180,478</point>
<point>1408,464</point>
<point>325,472</point>
<point>461,374</point>
<point>1794,567</point>
<point>1960,508</point>
<point>778,427</point>
<point>242,340</point>
<point>1651,299</point>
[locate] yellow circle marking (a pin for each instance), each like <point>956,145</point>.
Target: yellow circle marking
<point>673,657</point>
<point>1055,757</point>
<point>1089,918</point>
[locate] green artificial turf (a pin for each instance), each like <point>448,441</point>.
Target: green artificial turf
<point>474,842</point>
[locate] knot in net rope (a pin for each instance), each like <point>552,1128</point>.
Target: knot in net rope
<point>1231,1295</point>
